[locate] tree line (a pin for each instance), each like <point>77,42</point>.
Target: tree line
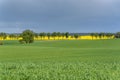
<point>28,35</point>
<point>102,34</point>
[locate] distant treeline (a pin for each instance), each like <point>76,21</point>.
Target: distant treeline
<point>4,35</point>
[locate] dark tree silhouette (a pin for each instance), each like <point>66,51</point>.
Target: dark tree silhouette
<point>54,34</point>
<point>76,35</point>
<point>67,35</point>
<point>27,36</point>
<point>48,35</point>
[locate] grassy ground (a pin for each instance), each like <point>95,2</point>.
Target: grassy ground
<point>60,60</point>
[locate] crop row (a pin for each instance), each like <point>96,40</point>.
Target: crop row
<point>60,71</point>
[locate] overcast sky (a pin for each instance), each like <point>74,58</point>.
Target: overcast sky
<point>60,15</point>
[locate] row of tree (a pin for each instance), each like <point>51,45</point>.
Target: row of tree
<point>4,35</point>
<point>58,34</point>
<point>28,35</point>
<point>102,35</point>
<point>36,35</point>
<point>54,34</point>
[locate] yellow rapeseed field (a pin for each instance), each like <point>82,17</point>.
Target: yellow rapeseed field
<point>86,37</point>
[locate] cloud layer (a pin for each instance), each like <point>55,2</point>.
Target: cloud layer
<point>60,15</point>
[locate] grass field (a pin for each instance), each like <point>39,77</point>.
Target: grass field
<point>61,60</point>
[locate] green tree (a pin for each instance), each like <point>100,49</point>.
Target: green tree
<point>63,35</point>
<point>117,35</point>
<point>42,35</point>
<point>48,35</point>
<point>92,34</point>
<point>58,34</point>
<point>109,35</point>
<point>27,36</point>
<point>3,35</point>
<point>36,35</point>
<point>96,35</point>
<point>76,35</point>
<point>101,35</point>
<point>67,34</point>
<point>54,34</point>
<point>12,36</point>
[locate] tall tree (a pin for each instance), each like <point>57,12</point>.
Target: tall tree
<point>12,36</point>
<point>103,34</point>
<point>117,35</point>
<point>92,35</point>
<point>42,35</point>
<point>58,34</point>
<point>48,35</point>
<point>54,34</point>
<point>109,35</point>
<point>76,36</point>
<point>3,35</point>
<point>63,35</point>
<point>36,35</point>
<point>67,35</point>
<point>96,35</point>
<point>100,35</point>
<point>28,36</point>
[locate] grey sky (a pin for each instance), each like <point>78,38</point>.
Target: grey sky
<point>60,15</point>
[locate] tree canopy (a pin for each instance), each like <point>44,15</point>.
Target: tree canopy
<point>27,36</point>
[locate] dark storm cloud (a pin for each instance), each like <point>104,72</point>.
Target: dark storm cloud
<point>60,15</point>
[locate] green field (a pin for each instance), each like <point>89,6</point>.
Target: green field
<point>60,60</point>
